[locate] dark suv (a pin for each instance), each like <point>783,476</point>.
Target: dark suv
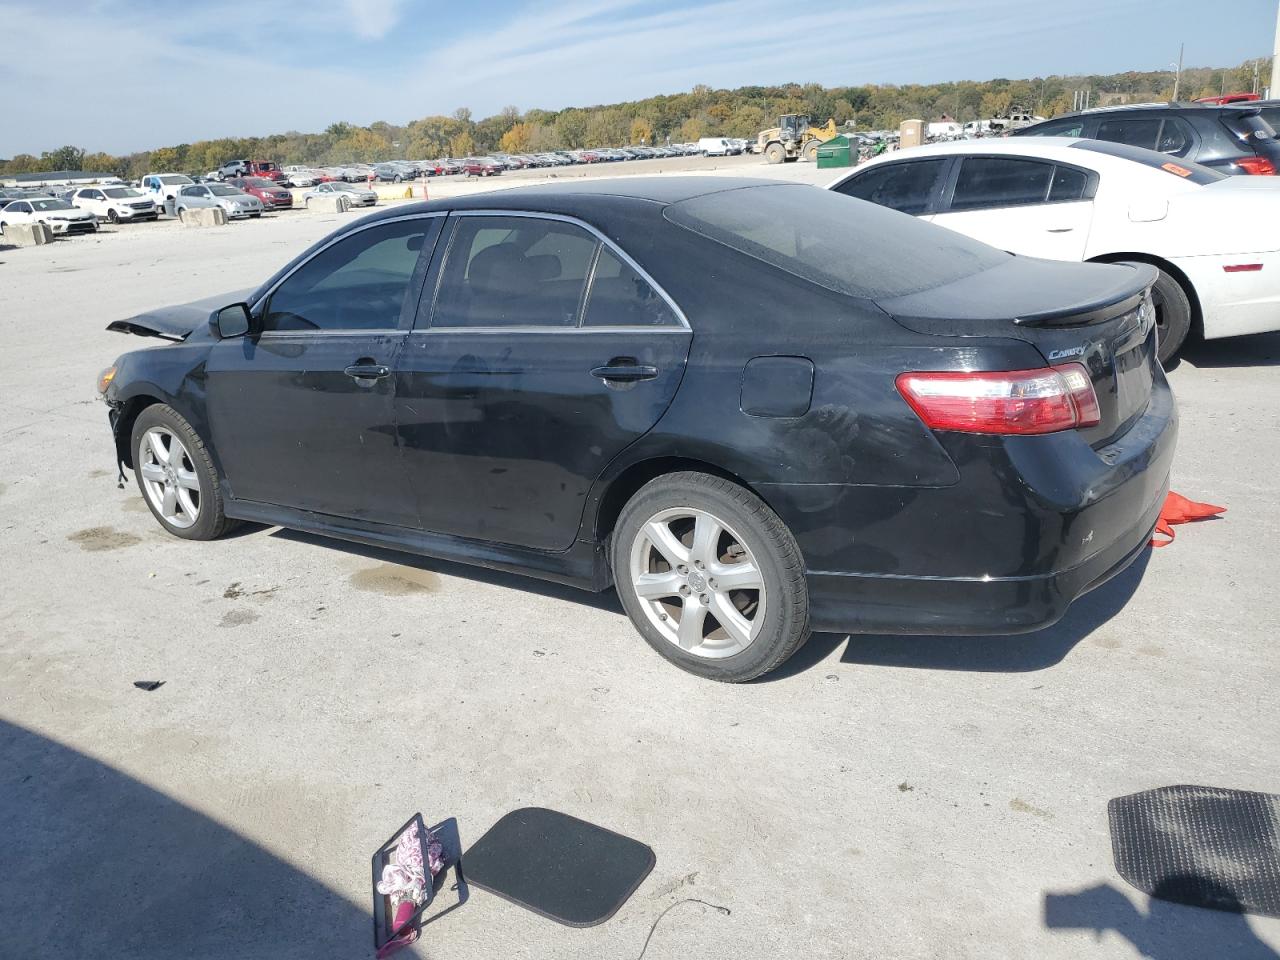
<point>1233,139</point>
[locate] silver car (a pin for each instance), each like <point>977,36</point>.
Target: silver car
<point>358,196</point>
<point>237,203</point>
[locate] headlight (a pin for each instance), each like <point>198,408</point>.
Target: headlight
<point>105,378</point>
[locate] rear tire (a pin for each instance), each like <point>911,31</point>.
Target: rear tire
<point>1173,316</point>
<point>198,517</point>
<point>774,153</point>
<point>731,629</point>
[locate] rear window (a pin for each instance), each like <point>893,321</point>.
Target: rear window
<point>853,247</point>
<point>1185,169</point>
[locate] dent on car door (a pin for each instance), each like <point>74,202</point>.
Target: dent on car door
<point>1031,207</point>
<point>302,413</point>
<point>541,356</point>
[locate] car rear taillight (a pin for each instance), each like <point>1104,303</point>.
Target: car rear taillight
<point>1258,166</point>
<point>1044,400</point>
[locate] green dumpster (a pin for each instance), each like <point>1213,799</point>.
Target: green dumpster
<point>835,153</point>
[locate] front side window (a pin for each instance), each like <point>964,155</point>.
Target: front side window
<point>620,297</point>
<point>1000,182</point>
<point>357,283</point>
<point>20,207</point>
<point>513,272</point>
<point>906,187</point>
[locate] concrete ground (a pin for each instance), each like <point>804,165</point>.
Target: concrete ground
<point>878,797</point>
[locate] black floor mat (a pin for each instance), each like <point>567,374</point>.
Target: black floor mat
<point>1202,846</point>
<point>559,866</point>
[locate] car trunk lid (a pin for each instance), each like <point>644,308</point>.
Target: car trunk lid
<point>1094,314</point>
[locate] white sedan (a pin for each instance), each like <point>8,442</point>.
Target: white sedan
<point>115,203</point>
<point>1211,236</point>
<point>356,196</point>
<point>58,215</point>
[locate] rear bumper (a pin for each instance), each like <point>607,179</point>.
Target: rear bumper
<point>1031,524</point>
<point>1238,303</point>
<point>860,603</point>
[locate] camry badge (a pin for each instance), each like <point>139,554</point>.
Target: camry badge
<point>1068,352</point>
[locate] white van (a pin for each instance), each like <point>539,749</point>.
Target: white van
<point>714,147</point>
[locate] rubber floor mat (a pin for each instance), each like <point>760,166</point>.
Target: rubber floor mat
<point>1202,846</point>
<point>564,868</point>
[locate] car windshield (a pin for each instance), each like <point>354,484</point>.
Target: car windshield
<point>43,205</point>
<point>222,190</point>
<point>175,179</point>
<point>853,247</point>
<point>121,193</point>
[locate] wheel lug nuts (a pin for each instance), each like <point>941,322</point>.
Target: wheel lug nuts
<point>698,564</point>
<point>711,584</point>
<point>684,590</point>
<point>682,569</point>
<point>705,600</point>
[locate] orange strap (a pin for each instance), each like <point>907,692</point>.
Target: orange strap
<point>1178,509</point>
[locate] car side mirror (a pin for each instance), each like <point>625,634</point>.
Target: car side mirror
<point>233,321</point>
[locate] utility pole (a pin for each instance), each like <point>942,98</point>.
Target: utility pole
<point>1177,77</point>
<point>1275,60</point>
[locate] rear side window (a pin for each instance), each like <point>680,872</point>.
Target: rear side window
<point>1176,138</point>
<point>513,272</point>
<point>909,187</point>
<point>1000,182</point>
<point>1134,131</point>
<point>835,241</point>
<point>1068,184</point>
<point>620,297</point>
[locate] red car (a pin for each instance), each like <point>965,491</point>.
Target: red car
<point>481,167</point>
<point>272,195</point>
<point>1229,98</point>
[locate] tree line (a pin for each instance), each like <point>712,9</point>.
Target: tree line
<point>679,117</point>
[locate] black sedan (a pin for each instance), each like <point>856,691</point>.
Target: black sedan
<point>754,408</point>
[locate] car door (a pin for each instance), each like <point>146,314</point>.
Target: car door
<point>1032,207</point>
<point>18,212</point>
<point>542,352</point>
<point>909,186</point>
<point>302,412</point>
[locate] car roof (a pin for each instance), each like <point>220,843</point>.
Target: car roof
<point>1034,146</point>
<point>1244,105</point>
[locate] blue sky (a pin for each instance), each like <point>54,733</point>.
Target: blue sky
<point>122,75</point>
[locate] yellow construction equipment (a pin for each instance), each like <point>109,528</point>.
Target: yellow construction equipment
<point>794,137</point>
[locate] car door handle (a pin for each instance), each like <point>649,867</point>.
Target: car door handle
<point>367,371</point>
<point>1060,229</point>
<point>625,372</point>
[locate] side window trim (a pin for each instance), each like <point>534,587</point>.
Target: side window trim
<point>1090,189</point>
<point>425,322</point>
<point>416,279</point>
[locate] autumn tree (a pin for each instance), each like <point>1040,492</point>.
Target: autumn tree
<point>516,140</point>
<point>641,131</point>
<point>462,145</point>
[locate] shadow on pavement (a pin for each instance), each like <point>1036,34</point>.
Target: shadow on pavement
<point>607,601</point>
<point>1167,931</point>
<point>1258,350</point>
<point>96,864</point>
<point>1019,653</point>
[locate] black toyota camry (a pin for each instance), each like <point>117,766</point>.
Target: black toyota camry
<point>756,409</point>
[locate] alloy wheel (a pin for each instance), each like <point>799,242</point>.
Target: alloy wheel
<point>169,477</point>
<point>698,582</point>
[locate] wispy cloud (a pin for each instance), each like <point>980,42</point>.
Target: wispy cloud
<point>131,74</point>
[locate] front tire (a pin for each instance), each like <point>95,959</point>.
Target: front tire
<point>811,151</point>
<point>113,216</point>
<point>710,577</point>
<point>176,476</point>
